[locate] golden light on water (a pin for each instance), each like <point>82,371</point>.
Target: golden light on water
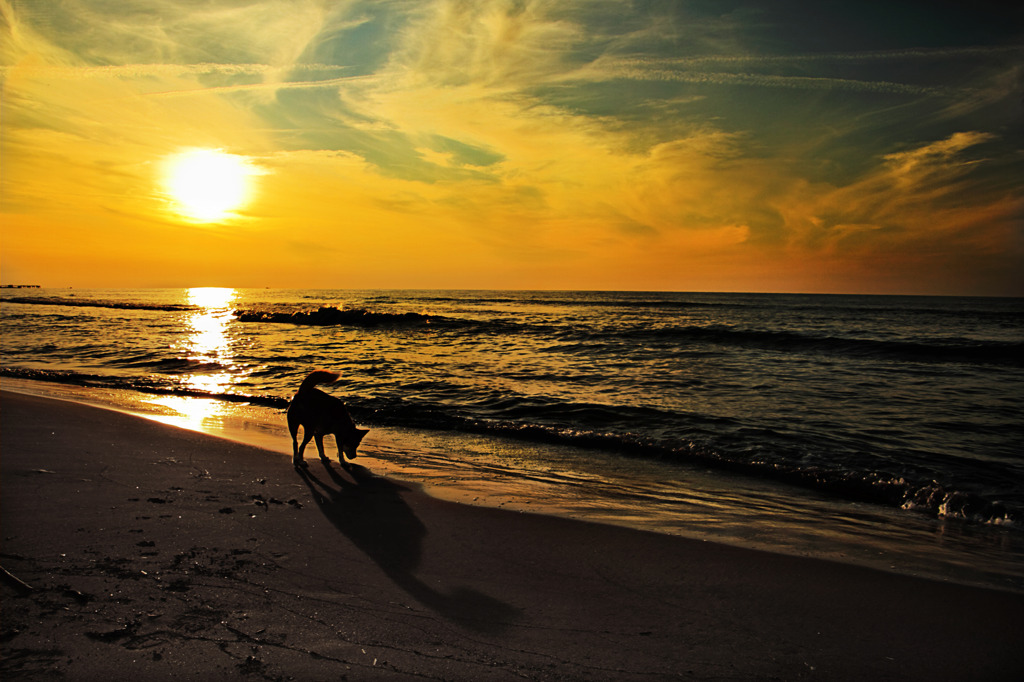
<point>207,345</point>
<point>197,414</point>
<point>208,342</point>
<point>207,185</point>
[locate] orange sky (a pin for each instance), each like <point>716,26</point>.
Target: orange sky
<point>740,146</point>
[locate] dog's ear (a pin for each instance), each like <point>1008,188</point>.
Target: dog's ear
<point>360,433</point>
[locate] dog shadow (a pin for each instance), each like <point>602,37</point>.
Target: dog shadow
<point>370,512</point>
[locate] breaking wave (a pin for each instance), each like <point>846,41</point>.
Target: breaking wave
<point>950,350</point>
<point>944,350</point>
<point>350,317</point>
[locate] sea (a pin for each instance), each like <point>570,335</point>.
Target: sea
<point>883,431</point>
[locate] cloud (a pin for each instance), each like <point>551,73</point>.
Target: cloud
<point>910,167</point>
<point>926,197</point>
<point>500,45</point>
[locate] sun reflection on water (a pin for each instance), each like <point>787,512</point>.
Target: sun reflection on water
<point>208,344</point>
<point>196,414</point>
<point>207,348</point>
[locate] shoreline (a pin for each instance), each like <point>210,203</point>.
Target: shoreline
<point>166,552</point>
<point>705,506</point>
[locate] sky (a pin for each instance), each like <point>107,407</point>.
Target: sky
<point>769,146</point>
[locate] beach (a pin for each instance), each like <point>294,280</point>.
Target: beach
<point>145,551</point>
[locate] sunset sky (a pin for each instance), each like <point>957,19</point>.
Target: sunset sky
<point>862,147</point>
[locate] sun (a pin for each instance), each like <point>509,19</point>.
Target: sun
<point>207,185</point>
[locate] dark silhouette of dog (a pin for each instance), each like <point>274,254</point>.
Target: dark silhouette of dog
<point>320,414</point>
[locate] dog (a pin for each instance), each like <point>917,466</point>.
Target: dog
<point>320,414</point>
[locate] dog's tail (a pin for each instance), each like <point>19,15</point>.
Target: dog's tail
<point>316,378</point>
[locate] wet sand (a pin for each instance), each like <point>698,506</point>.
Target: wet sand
<point>149,552</point>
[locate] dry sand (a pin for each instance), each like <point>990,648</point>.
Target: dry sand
<point>159,553</point>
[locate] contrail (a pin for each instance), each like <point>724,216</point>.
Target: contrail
<point>262,86</point>
<point>769,80</point>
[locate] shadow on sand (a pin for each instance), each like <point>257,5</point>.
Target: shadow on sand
<point>371,512</point>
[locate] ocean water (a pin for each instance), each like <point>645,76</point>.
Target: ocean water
<point>880,430</point>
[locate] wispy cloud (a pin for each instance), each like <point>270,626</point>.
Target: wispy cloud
<point>490,44</point>
<point>883,206</point>
<point>131,71</point>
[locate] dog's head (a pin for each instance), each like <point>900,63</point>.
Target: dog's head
<point>351,441</point>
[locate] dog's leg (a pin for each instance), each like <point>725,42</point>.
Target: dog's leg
<point>293,428</point>
<point>297,461</point>
<point>320,446</point>
<point>297,458</point>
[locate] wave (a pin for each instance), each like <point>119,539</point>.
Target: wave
<point>575,425</point>
<point>952,350</point>
<point>350,317</point>
<point>900,306</point>
<point>946,350</point>
<point>151,385</point>
<point>924,496</point>
<point>587,302</point>
<point>171,365</point>
<point>95,303</point>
